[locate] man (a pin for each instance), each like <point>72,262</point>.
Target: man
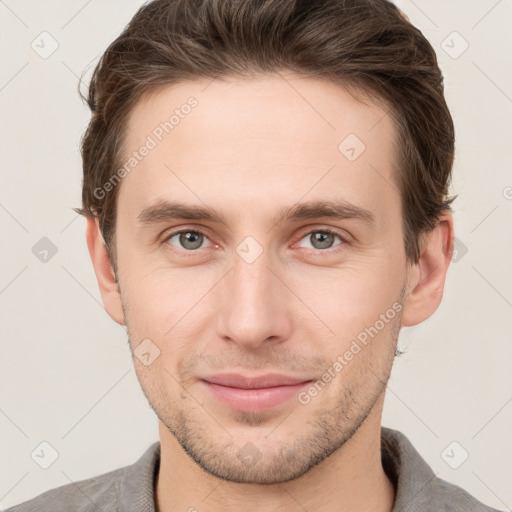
<point>266,192</point>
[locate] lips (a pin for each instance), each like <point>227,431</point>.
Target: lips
<point>254,394</point>
<point>234,380</point>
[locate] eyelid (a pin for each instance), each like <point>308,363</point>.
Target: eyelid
<point>326,229</point>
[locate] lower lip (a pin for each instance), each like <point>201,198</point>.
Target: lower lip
<point>254,400</point>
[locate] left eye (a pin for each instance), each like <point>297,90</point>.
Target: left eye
<point>189,240</point>
<point>321,239</point>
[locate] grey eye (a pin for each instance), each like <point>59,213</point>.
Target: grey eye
<point>189,240</point>
<point>321,239</point>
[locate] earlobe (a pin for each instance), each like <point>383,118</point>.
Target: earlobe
<point>104,273</point>
<point>426,278</point>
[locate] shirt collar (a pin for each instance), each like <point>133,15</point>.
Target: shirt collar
<point>412,477</point>
<point>137,485</point>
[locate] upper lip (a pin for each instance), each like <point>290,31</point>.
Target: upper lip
<point>235,380</point>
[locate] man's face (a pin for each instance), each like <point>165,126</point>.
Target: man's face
<point>252,295</point>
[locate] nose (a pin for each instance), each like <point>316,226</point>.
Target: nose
<point>255,306</point>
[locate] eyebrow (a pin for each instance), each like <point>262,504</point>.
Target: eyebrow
<point>340,210</point>
<point>164,211</point>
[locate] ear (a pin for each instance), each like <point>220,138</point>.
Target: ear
<point>104,272</point>
<point>425,279</point>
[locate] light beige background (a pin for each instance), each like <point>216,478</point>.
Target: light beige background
<point>65,370</point>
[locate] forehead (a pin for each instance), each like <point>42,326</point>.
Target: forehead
<point>259,106</point>
<point>277,137</point>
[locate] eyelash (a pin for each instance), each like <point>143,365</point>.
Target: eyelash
<point>331,231</point>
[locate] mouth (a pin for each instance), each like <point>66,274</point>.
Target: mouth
<point>253,394</point>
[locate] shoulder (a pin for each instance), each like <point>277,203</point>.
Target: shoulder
<point>417,488</point>
<point>455,499</point>
<point>92,494</point>
<point>130,487</point>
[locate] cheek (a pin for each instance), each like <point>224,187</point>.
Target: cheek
<point>352,297</point>
<point>161,301</point>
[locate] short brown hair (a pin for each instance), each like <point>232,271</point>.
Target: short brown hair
<point>364,45</point>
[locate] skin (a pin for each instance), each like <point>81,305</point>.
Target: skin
<point>250,148</point>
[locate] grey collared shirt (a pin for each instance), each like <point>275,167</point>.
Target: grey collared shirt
<point>131,488</point>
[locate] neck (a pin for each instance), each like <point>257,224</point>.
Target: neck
<point>351,479</point>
